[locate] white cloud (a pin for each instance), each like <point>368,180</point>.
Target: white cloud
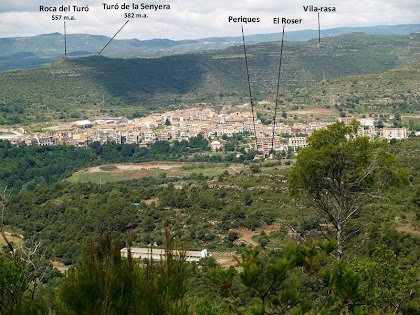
<point>189,19</point>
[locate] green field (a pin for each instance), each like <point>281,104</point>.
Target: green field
<point>111,172</point>
<point>16,240</point>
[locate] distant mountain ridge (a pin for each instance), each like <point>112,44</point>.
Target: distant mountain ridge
<point>94,85</point>
<point>29,52</point>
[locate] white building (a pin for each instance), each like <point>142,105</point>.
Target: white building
<point>160,254</point>
<point>295,142</point>
<point>84,123</point>
<point>216,145</point>
<point>369,122</point>
<point>394,133</point>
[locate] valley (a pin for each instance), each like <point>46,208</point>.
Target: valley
<point>160,178</point>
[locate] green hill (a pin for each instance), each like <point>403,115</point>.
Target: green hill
<point>82,87</point>
<point>395,91</point>
<point>35,51</point>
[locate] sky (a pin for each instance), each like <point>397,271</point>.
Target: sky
<point>193,19</point>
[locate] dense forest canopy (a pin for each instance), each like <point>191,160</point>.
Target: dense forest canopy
<point>378,272</point>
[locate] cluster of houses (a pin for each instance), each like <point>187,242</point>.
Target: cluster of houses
<point>184,124</point>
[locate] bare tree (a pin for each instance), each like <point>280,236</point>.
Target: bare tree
<point>30,252</point>
<point>34,255</point>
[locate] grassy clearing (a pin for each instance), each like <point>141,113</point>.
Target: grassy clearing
<point>108,168</point>
<point>99,177</point>
<point>12,238</point>
<point>116,172</point>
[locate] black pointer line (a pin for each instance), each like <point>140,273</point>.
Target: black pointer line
<point>114,36</point>
<point>65,39</point>
<point>278,89</point>
<point>319,30</point>
<point>250,93</point>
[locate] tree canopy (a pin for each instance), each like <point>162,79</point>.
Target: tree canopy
<point>341,173</point>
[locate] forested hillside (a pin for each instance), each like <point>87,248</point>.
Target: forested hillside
<point>391,92</point>
<point>228,213</point>
<point>83,87</point>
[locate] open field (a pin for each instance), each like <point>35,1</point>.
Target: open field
<point>250,237</point>
<point>13,239</point>
<point>409,228</point>
<point>121,172</point>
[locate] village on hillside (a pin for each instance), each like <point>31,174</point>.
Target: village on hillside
<point>184,124</point>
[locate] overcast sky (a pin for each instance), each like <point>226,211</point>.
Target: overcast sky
<point>193,19</point>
